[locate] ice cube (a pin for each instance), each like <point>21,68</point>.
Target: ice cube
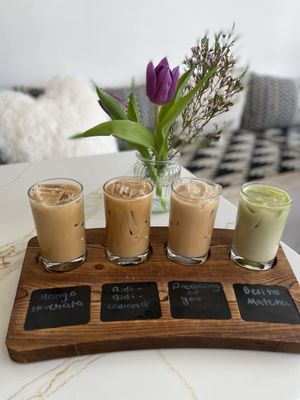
<point>121,189</point>
<point>195,191</point>
<point>139,188</point>
<point>116,188</point>
<point>53,194</point>
<point>144,188</point>
<point>130,188</point>
<point>65,195</point>
<point>191,190</point>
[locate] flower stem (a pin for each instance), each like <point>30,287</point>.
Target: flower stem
<point>156,116</point>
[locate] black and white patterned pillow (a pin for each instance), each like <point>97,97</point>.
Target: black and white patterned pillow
<point>242,156</point>
<point>271,102</point>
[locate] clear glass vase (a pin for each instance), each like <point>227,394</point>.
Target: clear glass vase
<point>161,174</point>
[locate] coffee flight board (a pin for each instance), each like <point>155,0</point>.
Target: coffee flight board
<point>102,307</point>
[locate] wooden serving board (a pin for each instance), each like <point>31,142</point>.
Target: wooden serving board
<point>164,332</point>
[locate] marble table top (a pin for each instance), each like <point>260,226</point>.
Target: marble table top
<point>144,374</point>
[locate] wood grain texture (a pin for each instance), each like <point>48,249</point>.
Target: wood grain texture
<point>166,332</point>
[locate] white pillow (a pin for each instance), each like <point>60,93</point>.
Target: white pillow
<point>35,129</point>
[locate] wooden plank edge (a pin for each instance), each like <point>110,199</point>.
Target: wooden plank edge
<point>146,343</point>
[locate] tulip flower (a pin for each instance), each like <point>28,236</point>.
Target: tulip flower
<point>198,96</point>
<point>161,82</point>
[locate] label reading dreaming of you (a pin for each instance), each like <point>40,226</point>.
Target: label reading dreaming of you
<point>51,308</point>
<point>198,300</point>
<point>262,303</point>
<point>129,301</point>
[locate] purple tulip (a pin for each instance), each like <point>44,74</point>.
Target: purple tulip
<point>161,82</point>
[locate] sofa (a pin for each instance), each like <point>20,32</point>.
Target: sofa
<point>260,139</point>
<point>36,123</point>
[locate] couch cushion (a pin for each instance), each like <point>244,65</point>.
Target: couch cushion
<point>271,102</point>
<point>146,108</point>
<point>39,128</point>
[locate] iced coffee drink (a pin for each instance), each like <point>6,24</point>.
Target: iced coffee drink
<point>58,212</point>
<point>194,204</point>
<point>127,203</point>
<point>261,218</point>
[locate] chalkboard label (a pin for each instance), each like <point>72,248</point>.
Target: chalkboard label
<point>129,301</point>
<point>198,300</point>
<point>51,308</point>
<point>262,303</point>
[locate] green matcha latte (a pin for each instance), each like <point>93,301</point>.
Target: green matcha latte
<point>261,218</point>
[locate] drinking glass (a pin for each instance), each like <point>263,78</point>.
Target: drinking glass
<point>261,218</point>
<point>58,213</point>
<point>194,204</point>
<point>127,202</point>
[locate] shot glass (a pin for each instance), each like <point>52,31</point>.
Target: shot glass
<point>194,204</point>
<point>58,213</point>
<point>127,202</point>
<point>261,218</point>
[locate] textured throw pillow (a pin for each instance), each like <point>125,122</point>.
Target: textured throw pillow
<point>271,102</point>
<point>296,119</point>
<point>39,128</point>
<point>146,108</point>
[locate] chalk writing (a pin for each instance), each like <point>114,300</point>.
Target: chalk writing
<point>128,306</point>
<point>268,302</point>
<point>129,301</point>
<point>50,308</point>
<point>56,306</point>
<point>198,300</point>
<point>263,303</point>
<point>63,296</point>
<point>215,287</point>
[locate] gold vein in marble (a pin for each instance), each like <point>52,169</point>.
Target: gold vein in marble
<point>51,381</point>
<point>17,177</point>
<point>179,375</point>
<point>12,255</point>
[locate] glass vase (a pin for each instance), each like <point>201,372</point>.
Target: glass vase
<point>161,174</point>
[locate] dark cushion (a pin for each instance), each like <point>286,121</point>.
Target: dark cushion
<point>32,91</point>
<point>271,103</point>
<point>146,108</point>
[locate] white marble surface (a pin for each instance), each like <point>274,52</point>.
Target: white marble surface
<point>146,374</point>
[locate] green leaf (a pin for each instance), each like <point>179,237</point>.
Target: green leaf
<point>111,105</point>
<point>129,131</point>
<point>142,150</point>
<point>181,85</point>
<point>182,103</point>
<point>133,110</point>
<point>164,146</point>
